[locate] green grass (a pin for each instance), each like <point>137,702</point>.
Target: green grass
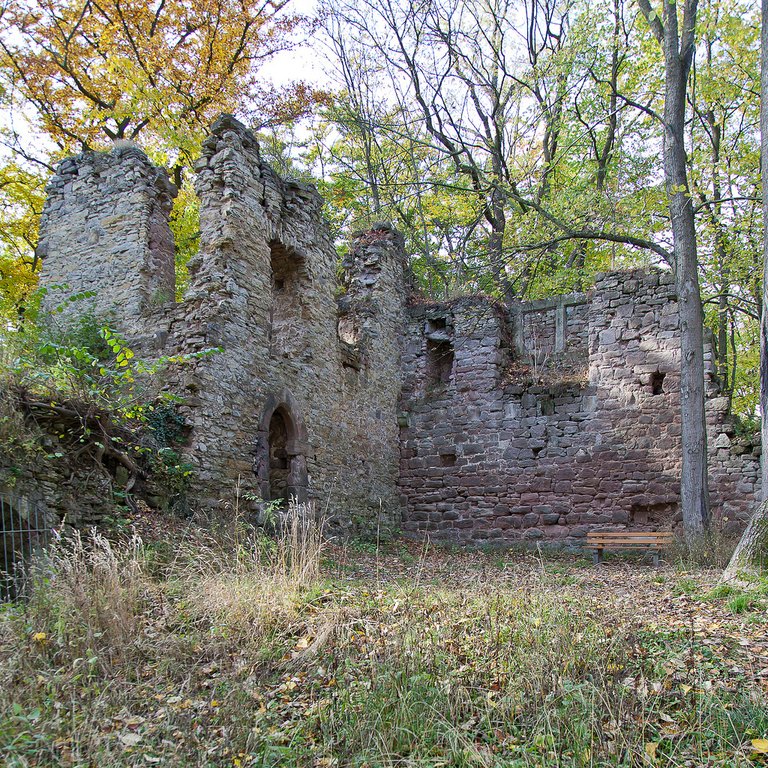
<point>721,591</point>
<point>744,603</point>
<point>685,586</point>
<point>242,653</point>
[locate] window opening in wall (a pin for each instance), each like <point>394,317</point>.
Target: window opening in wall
<point>437,324</point>
<point>439,362</point>
<point>285,312</point>
<point>657,383</point>
<point>348,330</point>
<point>279,461</point>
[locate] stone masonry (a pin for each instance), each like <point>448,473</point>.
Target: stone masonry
<point>468,420</point>
<point>287,407</point>
<point>515,430</point>
<point>106,216</point>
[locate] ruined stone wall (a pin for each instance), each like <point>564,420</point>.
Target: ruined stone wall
<point>531,422</point>
<point>284,407</point>
<point>509,453</point>
<point>370,340</point>
<point>104,229</point>
<point>551,333</point>
<point>74,494</point>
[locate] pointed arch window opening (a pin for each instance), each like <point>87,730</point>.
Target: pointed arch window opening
<point>287,283</point>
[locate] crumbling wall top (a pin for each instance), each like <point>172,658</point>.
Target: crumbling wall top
<point>104,230</point>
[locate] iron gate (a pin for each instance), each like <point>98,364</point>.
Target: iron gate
<point>24,531</point>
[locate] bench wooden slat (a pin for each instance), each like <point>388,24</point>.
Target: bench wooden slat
<point>637,540</point>
<point>633,534</point>
<point>625,544</point>
<point>630,534</point>
<point>629,538</point>
<point>632,538</point>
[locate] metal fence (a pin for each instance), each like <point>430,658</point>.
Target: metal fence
<point>24,531</point>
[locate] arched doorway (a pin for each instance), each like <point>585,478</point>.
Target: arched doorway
<point>281,462</point>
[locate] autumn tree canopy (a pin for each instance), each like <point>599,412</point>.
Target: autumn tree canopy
<point>122,69</point>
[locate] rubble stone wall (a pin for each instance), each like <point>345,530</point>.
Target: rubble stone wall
<point>104,230</point>
<point>263,290</point>
<point>504,452</point>
<point>468,420</point>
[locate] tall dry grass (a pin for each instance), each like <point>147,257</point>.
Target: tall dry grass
<point>226,647</point>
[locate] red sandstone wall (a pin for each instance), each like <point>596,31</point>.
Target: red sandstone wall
<point>505,452</point>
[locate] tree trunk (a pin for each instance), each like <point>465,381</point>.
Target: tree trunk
<point>764,178</point>
<point>694,494</point>
<point>751,549</point>
<point>753,546</point>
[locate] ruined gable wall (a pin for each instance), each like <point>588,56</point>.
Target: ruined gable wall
<point>508,452</point>
<point>278,328</point>
<point>105,229</point>
<point>263,289</point>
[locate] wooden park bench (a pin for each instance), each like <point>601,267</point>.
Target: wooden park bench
<point>651,541</point>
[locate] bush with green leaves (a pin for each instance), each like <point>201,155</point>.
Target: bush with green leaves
<point>97,398</point>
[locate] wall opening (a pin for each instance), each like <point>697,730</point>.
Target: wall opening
<point>547,405</point>
<point>278,458</point>
<point>286,308</point>
<point>185,228</point>
<point>657,383</point>
<point>447,459</point>
<point>281,446</point>
<point>348,330</point>
<point>439,362</point>
<point>437,325</point>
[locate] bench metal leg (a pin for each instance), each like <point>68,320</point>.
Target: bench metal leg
<point>597,555</point>
<point>656,559</point>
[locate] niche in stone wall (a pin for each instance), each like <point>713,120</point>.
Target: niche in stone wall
<point>286,321</point>
<point>349,330</point>
<point>440,353</point>
<point>657,383</point>
<point>448,457</point>
<point>439,363</point>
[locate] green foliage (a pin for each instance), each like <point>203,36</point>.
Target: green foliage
<point>165,423</point>
<point>172,475</point>
<point>21,202</point>
<point>185,226</point>
<point>99,399</point>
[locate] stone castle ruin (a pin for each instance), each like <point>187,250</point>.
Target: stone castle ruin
<point>468,420</point>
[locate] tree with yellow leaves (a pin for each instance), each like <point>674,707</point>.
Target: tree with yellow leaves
<point>21,201</point>
<point>158,70</point>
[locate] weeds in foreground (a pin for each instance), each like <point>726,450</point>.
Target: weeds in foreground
<point>230,649</point>
<point>713,550</point>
